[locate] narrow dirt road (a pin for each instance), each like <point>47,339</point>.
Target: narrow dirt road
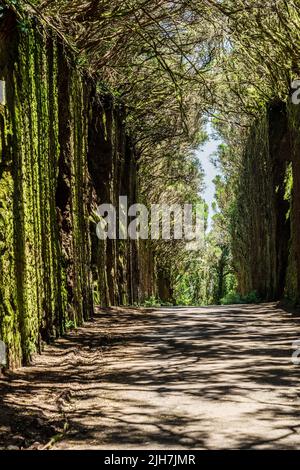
<point>185,378</point>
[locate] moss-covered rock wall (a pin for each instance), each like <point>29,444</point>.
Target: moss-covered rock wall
<point>266,216</point>
<point>254,221</point>
<point>63,151</point>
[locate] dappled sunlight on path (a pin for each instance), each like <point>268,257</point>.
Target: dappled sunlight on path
<point>217,377</point>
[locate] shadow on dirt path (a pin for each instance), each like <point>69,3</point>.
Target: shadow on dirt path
<point>185,378</point>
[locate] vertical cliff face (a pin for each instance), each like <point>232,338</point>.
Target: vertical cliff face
<point>293,284</point>
<point>63,151</point>
<point>118,265</point>
<point>254,217</point>
<point>280,158</point>
<point>266,217</point>
<point>45,274</point>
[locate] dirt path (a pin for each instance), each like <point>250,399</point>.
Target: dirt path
<point>205,378</point>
